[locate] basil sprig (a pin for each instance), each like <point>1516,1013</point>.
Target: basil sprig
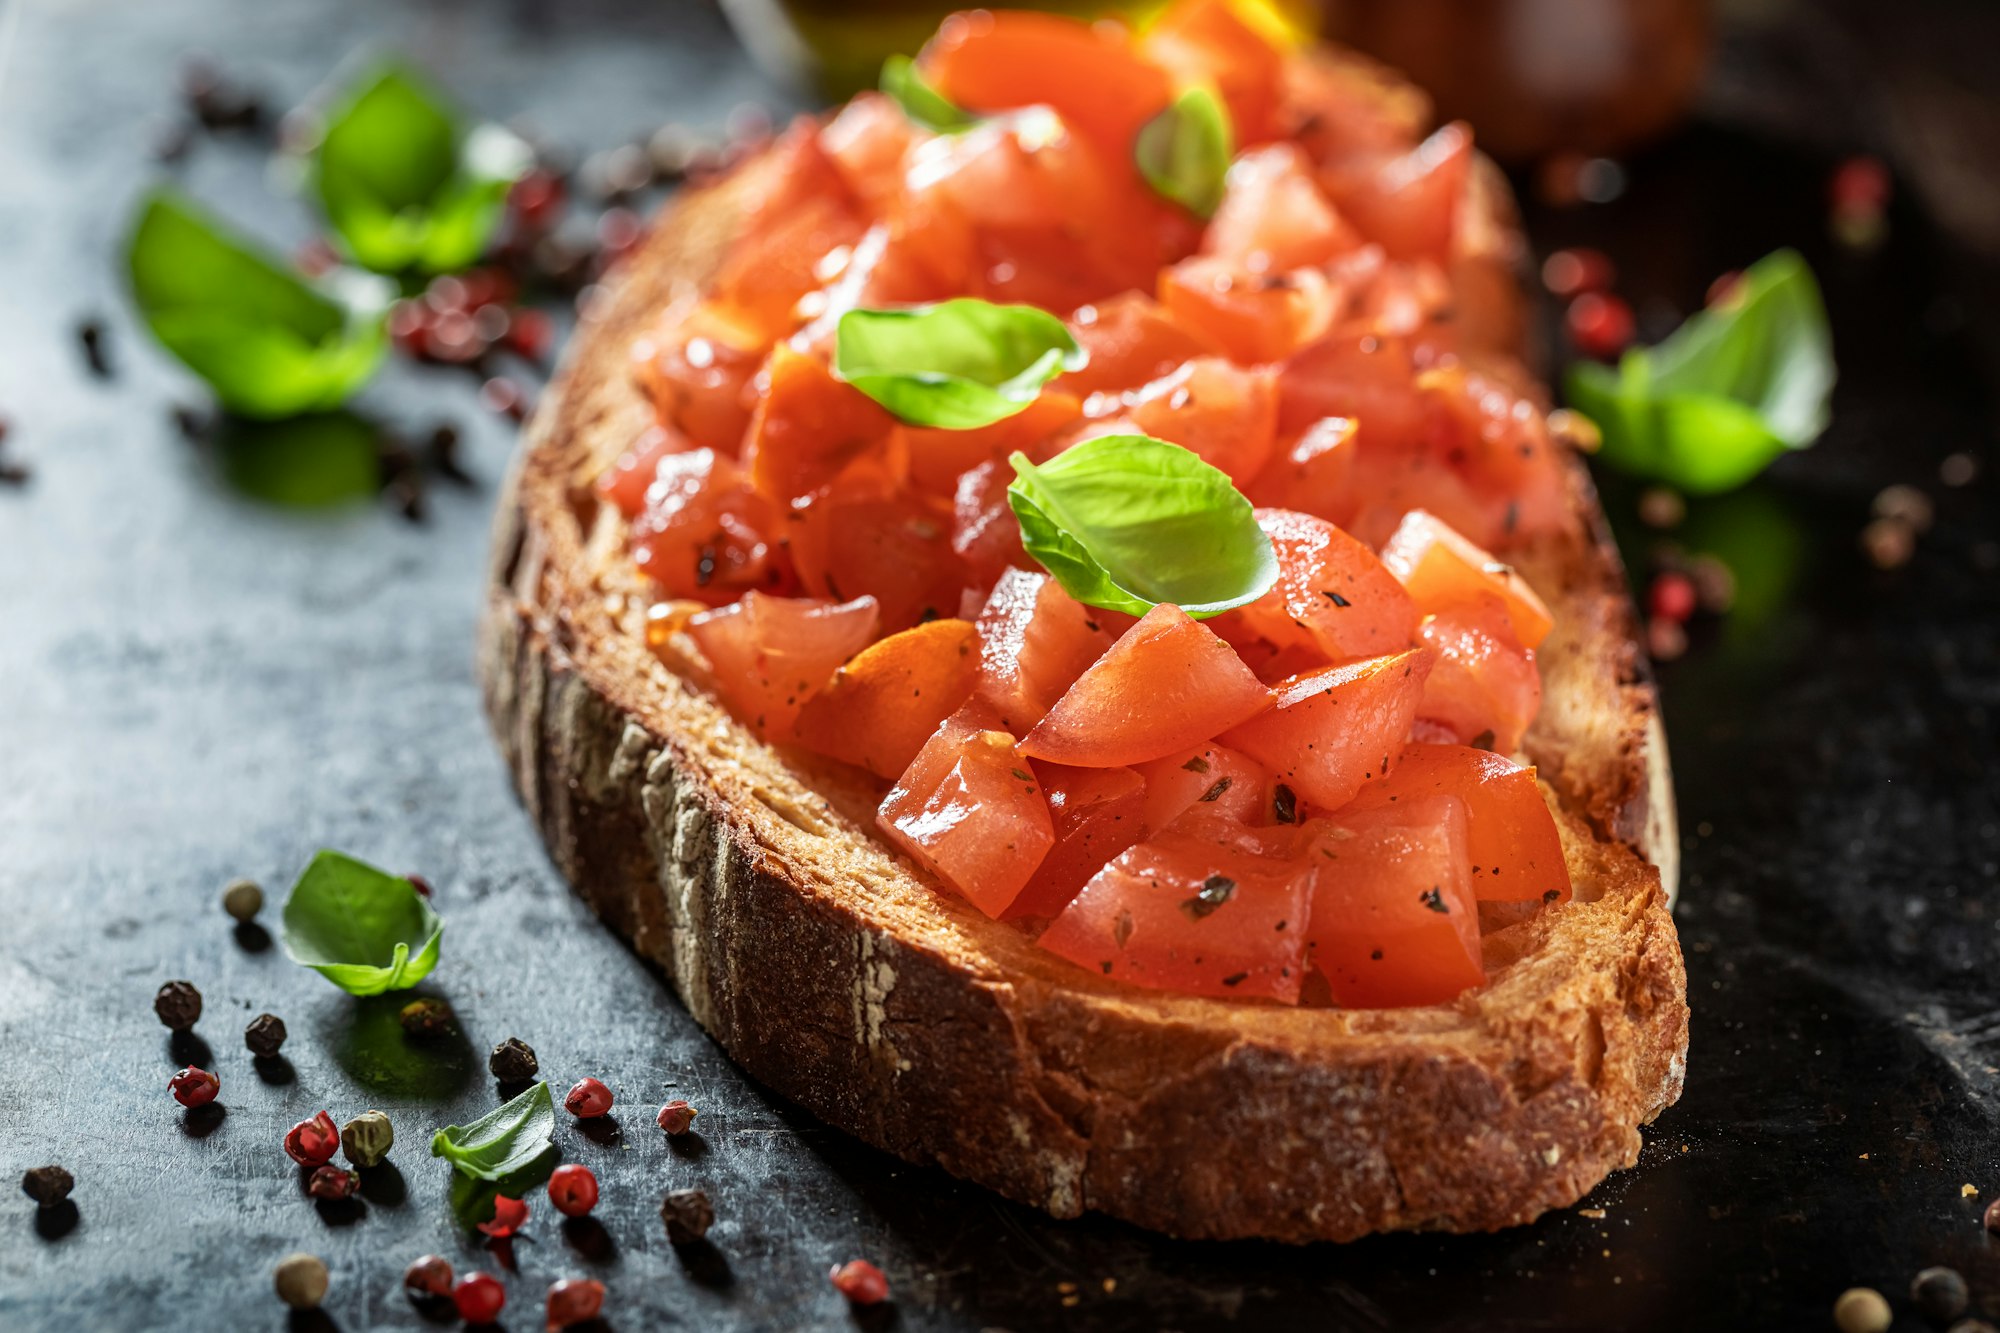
<point>956,365</point>
<point>365,931</point>
<point>1732,389</point>
<point>506,1142</point>
<point>1126,522</point>
<point>920,100</point>
<point>404,184</point>
<point>1184,152</point>
<point>268,342</point>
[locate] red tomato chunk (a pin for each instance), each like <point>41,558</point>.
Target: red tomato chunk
<point>1328,731</point>
<point>771,654</point>
<point>1511,837</point>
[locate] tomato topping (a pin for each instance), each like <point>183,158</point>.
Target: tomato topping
<point>1442,569</point>
<point>1485,431</point>
<point>807,427</point>
<point>703,533</point>
<point>1034,641</point>
<point>938,458</point>
<point>697,372</point>
<point>1313,473</point>
<point>1254,317</point>
<point>802,211</point>
<point>1484,687</point>
<point>1510,836</point>
<point>1328,731</point>
<point>1167,683</point>
<point>771,654</point>
<point>884,703</point>
<point>1394,921</point>
<point>1204,42</point>
<point>861,532</point>
<point>1210,778</point>
<point>1097,813</point>
<point>1227,414</point>
<point>1331,591</point>
<point>1408,203</point>
<point>1273,216</point>
<point>1204,907</point>
<point>625,485</point>
<point>970,810</point>
<point>866,140</point>
<point>1366,378</point>
<point>984,532</point>
<point>1130,340</point>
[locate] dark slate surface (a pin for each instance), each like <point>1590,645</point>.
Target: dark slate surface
<point>197,685</point>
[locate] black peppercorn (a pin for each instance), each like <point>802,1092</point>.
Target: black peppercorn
<point>427,1018</point>
<point>1939,1293</point>
<point>688,1215</point>
<point>265,1035</point>
<point>513,1061</point>
<point>178,1004</point>
<point>47,1185</point>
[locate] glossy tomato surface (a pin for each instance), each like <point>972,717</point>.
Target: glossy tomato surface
<point>771,654</point>
<point>1328,731</point>
<point>1511,837</point>
<point>886,701</point>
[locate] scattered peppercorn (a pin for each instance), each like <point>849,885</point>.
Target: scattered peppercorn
<point>861,1282</point>
<point>426,1017</point>
<point>677,1117</point>
<point>1939,1294</point>
<point>688,1215</point>
<point>1972,1326</point>
<point>367,1138</point>
<point>313,1142</point>
<point>479,1298</point>
<point>1714,584</point>
<point>573,1300</point>
<point>588,1099</point>
<point>1889,542</point>
<point>513,1061</point>
<point>1672,596</point>
<point>243,899</point>
<point>1862,1310</point>
<point>300,1280</point>
<point>1906,504</point>
<point>332,1183</point>
<point>194,1087</point>
<point>509,1216</point>
<point>573,1190</point>
<point>178,1004</point>
<point>265,1035</point>
<point>1572,272</point>
<point>1600,325</point>
<point>47,1185</point>
<point>1661,508</point>
<point>91,334</point>
<point>503,396</point>
<point>1958,470</point>
<point>1993,1217</point>
<point>1666,639</point>
<point>428,1275</point>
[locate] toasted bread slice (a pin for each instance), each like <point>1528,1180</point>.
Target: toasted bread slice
<point>835,974</point>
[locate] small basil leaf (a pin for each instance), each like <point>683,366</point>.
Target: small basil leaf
<point>268,342</point>
<point>1731,390</point>
<point>506,1143</point>
<point>1126,522</point>
<point>956,365</point>
<point>363,930</point>
<point>1184,151</point>
<point>472,1198</point>
<point>403,185</point>
<point>920,101</point>
<point>306,462</point>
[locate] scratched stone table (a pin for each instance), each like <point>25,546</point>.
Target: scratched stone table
<point>196,684</point>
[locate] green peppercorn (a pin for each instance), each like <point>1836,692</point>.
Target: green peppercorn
<point>178,1004</point>
<point>300,1280</point>
<point>366,1139</point>
<point>513,1061</point>
<point>243,899</point>
<point>1862,1310</point>
<point>265,1035</point>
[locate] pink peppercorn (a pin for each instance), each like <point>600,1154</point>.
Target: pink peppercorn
<point>313,1142</point>
<point>573,1190</point>
<point>428,1275</point>
<point>332,1183</point>
<point>479,1298</point>
<point>194,1087</point>
<point>1672,597</point>
<point>587,1099</point>
<point>1600,325</point>
<point>573,1300</point>
<point>861,1282</point>
<point>508,1216</point>
<point>677,1117</point>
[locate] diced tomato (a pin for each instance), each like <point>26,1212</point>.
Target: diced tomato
<point>884,703</point>
<point>807,427</point>
<point>1340,104</point>
<point>1212,778</point>
<point>862,532</point>
<point>1089,73</point>
<point>1328,731</point>
<point>625,485</point>
<point>1167,683</point>
<point>697,371</point>
<point>1034,641</point>
<point>984,532</point>
<point>1408,203</point>
<point>1254,317</point>
<point>1442,569</point>
<point>971,811</point>
<point>1225,413</point>
<point>1363,378</point>
<point>1510,836</point>
<point>771,654</point>
<point>1394,920</point>
<point>1485,686</point>
<point>704,534</point>
<point>867,139</point>
<point>1130,340</point>
<point>1393,482</point>
<point>801,209</point>
<point>1204,42</point>
<point>1313,474</point>
<point>1331,590</point>
<point>1273,217</point>
<point>1498,440</point>
<point>1204,907</point>
<point>938,458</point>
<point>1097,813</point>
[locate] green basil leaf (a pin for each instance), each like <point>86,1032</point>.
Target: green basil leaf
<point>956,365</point>
<point>1184,151</point>
<point>1731,390</point>
<point>404,185</point>
<point>1126,522</point>
<point>507,1143</point>
<point>305,462</point>
<point>268,342</point>
<point>363,930</point>
<point>920,101</point>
